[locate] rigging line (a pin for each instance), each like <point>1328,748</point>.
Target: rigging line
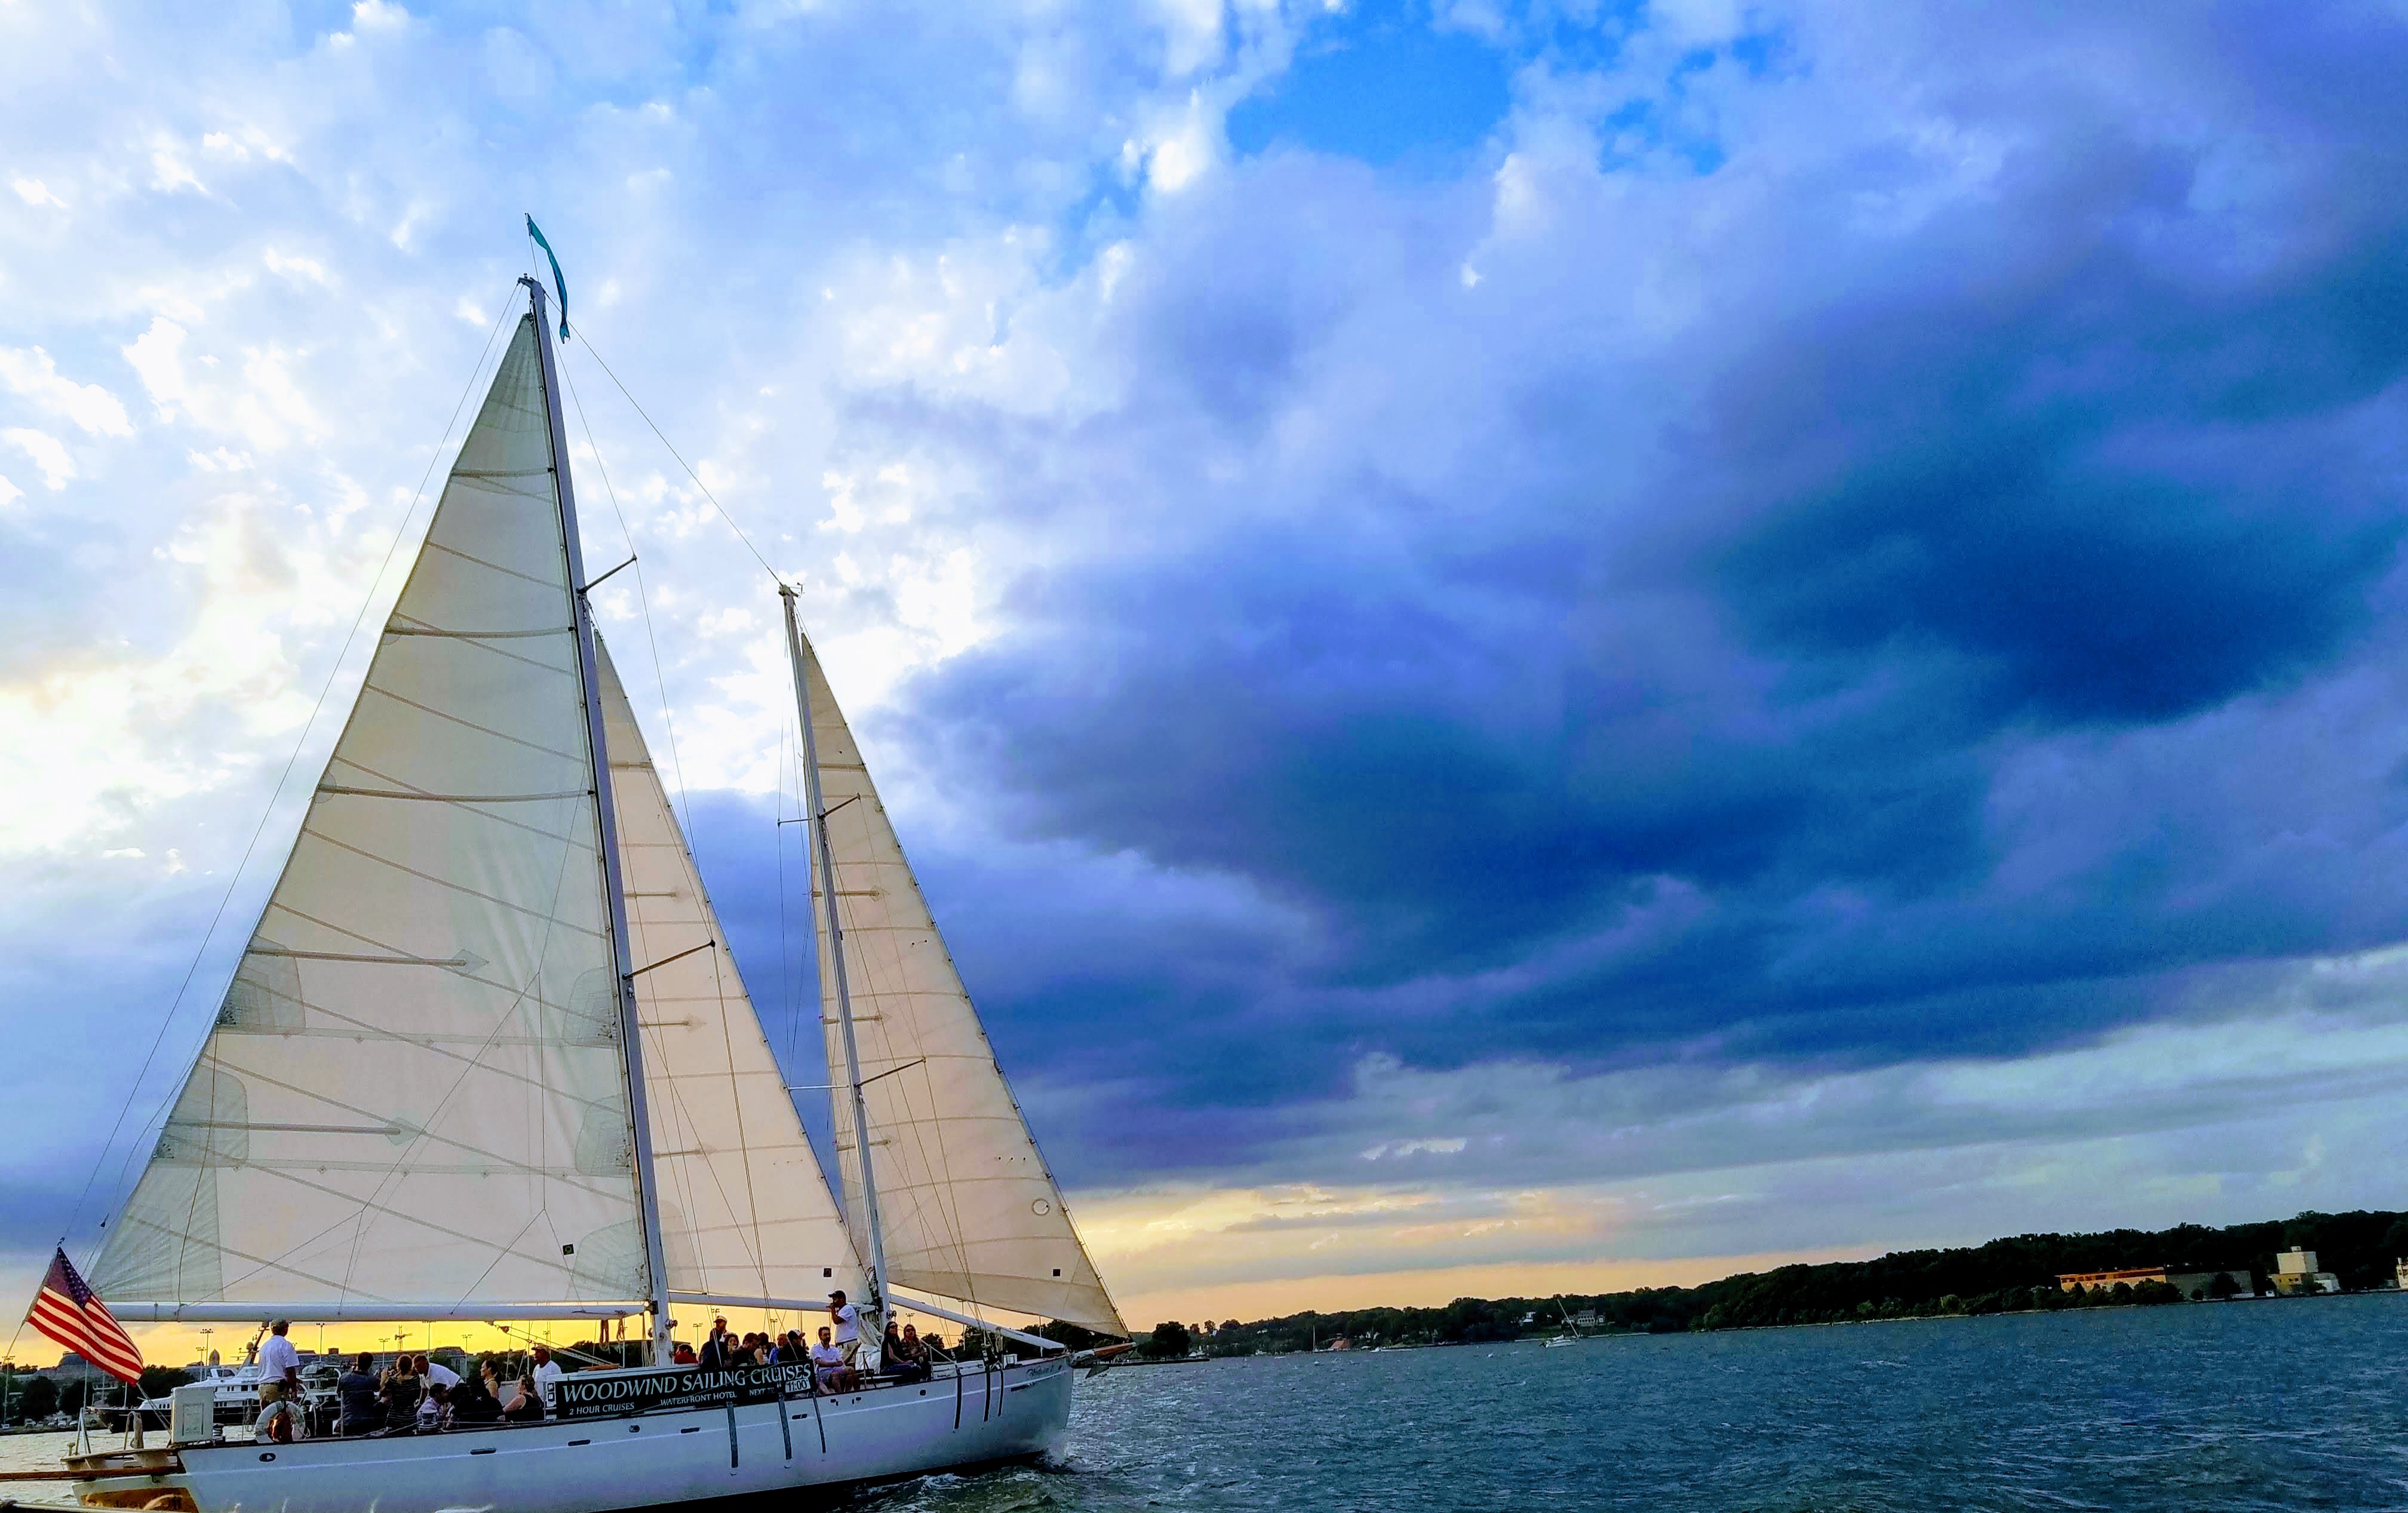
<point>300,744</point>
<point>505,1250</point>
<point>674,452</point>
<point>684,799</point>
<point>644,605</point>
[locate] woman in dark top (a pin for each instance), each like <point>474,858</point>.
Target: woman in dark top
<point>472,1400</point>
<point>527,1407</point>
<point>402,1390</point>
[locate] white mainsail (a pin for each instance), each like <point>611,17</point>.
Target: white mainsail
<point>415,1087</point>
<point>745,1211</point>
<point>969,1209</point>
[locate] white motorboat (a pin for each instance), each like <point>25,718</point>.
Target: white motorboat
<point>487,1057</point>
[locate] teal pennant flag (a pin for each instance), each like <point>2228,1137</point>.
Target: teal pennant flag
<point>558,282</point>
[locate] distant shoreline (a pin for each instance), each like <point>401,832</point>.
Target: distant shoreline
<point>2361,1251</point>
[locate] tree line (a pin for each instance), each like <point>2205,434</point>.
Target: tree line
<point>2005,1275</point>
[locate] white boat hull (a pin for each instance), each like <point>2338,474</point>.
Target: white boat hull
<point>594,1466</point>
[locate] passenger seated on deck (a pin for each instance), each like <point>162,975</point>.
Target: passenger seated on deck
<point>435,1410</point>
<point>472,1400</point>
<point>793,1351</point>
<point>278,1421</point>
<point>682,1354</point>
<point>829,1371</point>
<point>527,1407</point>
<point>908,1360</point>
<point>361,1413</point>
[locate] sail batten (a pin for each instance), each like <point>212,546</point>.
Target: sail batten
<point>967,1206</point>
<point>432,976</point>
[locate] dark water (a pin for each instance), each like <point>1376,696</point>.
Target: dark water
<point>2288,1405</point>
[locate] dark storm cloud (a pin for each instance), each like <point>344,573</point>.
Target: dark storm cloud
<point>1675,708</point>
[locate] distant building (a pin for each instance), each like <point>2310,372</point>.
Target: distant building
<point>2133,1276</point>
<point>2400,1274</point>
<point>2202,1284</point>
<point>2189,1283</point>
<point>1587,1317</point>
<point>2296,1273</point>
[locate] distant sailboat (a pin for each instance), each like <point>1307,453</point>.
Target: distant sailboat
<point>1571,1335</point>
<point>487,1057</point>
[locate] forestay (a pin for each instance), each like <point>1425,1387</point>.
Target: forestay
<point>969,1209</point>
<point>414,1089</point>
<point>745,1211</point>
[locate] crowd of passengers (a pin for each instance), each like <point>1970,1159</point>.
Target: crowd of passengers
<point>417,1395</point>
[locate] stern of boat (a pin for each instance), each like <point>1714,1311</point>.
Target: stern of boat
<point>150,1479</point>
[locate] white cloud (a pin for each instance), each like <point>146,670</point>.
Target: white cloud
<point>46,453</point>
<point>35,191</point>
<point>9,492</point>
<point>263,405</point>
<point>1191,31</point>
<point>378,16</point>
<point>157,356</point>
<point>1185,148</point>
<point>295,268</point>
<point>31,374</point>
<point>169,172</point>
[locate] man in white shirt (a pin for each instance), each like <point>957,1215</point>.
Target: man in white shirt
<point>827,1365</point>
<point>547,1375</point>
<point>848,1325</point>
<point>278,1362</point>
<point>437,1373</point>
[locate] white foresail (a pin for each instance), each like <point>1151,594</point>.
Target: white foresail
<point>745,1211</point>
<point>414,1089</point>
<point>969,1209</point>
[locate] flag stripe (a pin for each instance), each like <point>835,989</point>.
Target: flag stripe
<point>70,1313</point>
<point>62,1322</point>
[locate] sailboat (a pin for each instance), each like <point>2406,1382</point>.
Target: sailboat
<point>1571,1335</point>
<point>487,1057</point>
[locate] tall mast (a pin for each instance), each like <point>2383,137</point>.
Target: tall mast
<point>836,962</point>
<point>607,817</point>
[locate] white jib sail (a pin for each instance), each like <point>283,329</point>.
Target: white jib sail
<point>414,1089</point>
<point>969,1207</point>
<point>745,1211</point>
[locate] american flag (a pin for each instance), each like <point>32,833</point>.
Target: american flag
<point>72,1314</point>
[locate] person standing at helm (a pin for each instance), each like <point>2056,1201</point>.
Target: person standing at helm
<point>278,1362</point>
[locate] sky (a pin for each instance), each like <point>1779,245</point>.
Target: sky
<point>1523,646</point>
